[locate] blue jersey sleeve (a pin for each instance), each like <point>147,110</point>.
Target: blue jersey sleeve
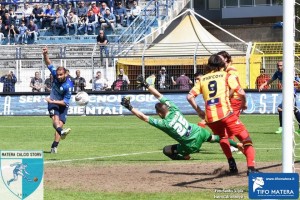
<point>52,70</point>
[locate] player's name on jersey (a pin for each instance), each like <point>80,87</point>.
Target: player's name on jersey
<point>213,76</point>
<point>21,154</point>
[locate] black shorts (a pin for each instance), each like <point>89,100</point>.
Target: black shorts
<point>60,111</point>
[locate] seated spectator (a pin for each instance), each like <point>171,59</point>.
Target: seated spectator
<point>12,14</point>
<point>119,84</point>
<point>8,20</point>
<point>82,10</point>
<point>90,24</point>
<point>103,8</point>
<point>48,83</point>
<point>120,13</point>
<point>183,82</point>
<point>22,37</point>
<point>99,83</point>
<point>70,8</point>
<point>32,31</point>
<point>27,14</point>
<point>129,4</point>
<point>278,25</point>
<point>12,35</point>
<point>261,79</point>
<point>59,23</point>
<point>3,10</point>
<point>2,28</point>
<point>95,9</point>
<point>48,17</point>
<point>9,80</point>
<point>72,22</point>
<point>36,82</point>
<point>102,41</point>
<point>108,20</point>
<point>79,82</point>
<point>60,9</point>
<point>135,11</point>
<point>38,14</point>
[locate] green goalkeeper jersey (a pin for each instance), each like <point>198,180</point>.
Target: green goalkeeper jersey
<point>190,136</point>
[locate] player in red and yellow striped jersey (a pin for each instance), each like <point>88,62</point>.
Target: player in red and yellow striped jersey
<point>215,87</point>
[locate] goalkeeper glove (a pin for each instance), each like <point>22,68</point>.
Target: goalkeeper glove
<point>141,82</point>
<point>126,103</point>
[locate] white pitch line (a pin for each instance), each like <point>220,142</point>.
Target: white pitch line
<point>100,157</point>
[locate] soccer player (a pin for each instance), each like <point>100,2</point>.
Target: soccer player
<point>58,101</point>
<point>235,101</point>
<point>278,75</point>
<point>214,87</point>
<point>189,136</point>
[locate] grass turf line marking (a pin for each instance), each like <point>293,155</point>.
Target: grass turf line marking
<point>100,157</point>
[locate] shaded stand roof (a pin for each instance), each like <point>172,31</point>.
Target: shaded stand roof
<point>184,37</point>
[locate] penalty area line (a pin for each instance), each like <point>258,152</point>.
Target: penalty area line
<point>100,157</point>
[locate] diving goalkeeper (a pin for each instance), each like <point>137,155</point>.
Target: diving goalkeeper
<point>189,136</point>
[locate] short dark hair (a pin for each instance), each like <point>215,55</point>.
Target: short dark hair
<point>161,108</point>
<point>215,63</point>
<point>225,55</point>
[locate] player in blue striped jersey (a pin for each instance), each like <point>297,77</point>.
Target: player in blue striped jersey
<point>278,75</point>
<point>58,101</point>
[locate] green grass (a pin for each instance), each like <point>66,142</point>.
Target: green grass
<point>110,136</point>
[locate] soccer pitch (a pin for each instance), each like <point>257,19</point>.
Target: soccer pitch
<point>120,157</point>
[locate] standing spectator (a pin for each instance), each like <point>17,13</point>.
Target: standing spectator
<point>79,82</point>
<point>119,84</point>
<point>108,20</point>
<point>48,83</point>
<point>135,11</point>
<point>32,31</point>
<point>102,41</point>
<point>261,79</point>
<point>183,81</point>
<point>72,22</point>
<point>27,14</point>
<point>163,79</point>
<point>48,17</point>
<point>69,9</point>
<point>38,14</point>
<point>124,76</point>
<point>60,9</point>
<point>99,83</point>
<point>9,80</point>
<point>36,82</point>
<point>59,23</point>
<point>120,13</point>
<point>22,34</point>
<point>12,35</point>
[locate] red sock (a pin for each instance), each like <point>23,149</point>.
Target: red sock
<point>250,155</point>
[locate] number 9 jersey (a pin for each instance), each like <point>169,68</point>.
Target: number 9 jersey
<point>215,89</point>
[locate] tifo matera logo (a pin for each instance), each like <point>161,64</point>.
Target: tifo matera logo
<point>258,182</point>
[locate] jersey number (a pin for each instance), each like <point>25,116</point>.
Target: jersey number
<point>181,126</point>
<point>212,87</point>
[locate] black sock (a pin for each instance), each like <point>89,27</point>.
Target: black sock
<point>280,118</point>
<point>54,144</point>
<point>297,115</point>
<point>59,129</point>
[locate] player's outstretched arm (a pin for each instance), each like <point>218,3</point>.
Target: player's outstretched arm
<point>142,83</point>
<point>46,57</point>
<point>191,99</point>
<point>126,103</point>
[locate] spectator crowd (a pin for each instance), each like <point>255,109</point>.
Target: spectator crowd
<point>62,16</point>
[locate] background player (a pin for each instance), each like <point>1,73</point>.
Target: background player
<point>172,122</point>
<point>59,99</point>
<point>215,86</point>
<point>278,75</point>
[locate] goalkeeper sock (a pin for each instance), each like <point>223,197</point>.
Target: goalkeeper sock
<point>54,144</point>
<point>59,129</point>
<point>216,138</point>
<point>280,118</point>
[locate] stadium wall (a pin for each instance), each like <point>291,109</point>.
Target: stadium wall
<point>108,103</point>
